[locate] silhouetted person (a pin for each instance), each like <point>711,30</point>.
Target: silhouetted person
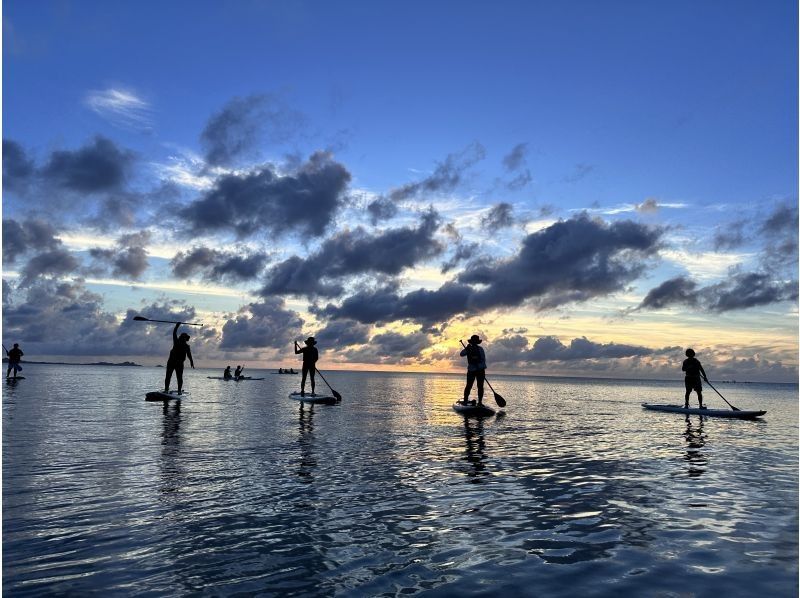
<point>227,373</point>
<point>280,370</point>
<point>238,371</point>
<point>310,357</point>
<point>14,357</point>
<point>180,351</point>
<point>476,367</point>
<point>694,370</point>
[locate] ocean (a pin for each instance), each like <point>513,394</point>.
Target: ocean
<point>236,490</point>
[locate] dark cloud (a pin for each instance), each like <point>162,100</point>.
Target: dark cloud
<point>515,159</point>
<point>740,291</point>
<point>342,333</point>
<point>780,230</point>
<point>27,236</point>
<point>216,265</point>
<point>580,172</point>
<point>571,260</point>
<point>446,176</point>
<point>305,201</point>
<point>391,348</point>
<point>462,252</point>
<point>782,220</point>
<point>18,168</point>
<point>732,236</point>
<point>499,216</point>
<point>127,260</point>
<point>355,252</point>
<point>515,350</point>
<point>53,263</point>
<point>98,166</point>
<point>236,130</point>
<point>381,209</point>
<point>267,323</point>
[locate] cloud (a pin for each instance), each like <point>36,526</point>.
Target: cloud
<point>127,260</point>
<point>18,168</point>
<point>648,206</point>
<point>499,216</point>
<point>28,236</point>
<point>515,349</point>
<point>262,324</point>
<point>342,333</point>
<point>235,131</point>
<point>741,290</point>
<point>580,172</point>
<point>391,348</point>
<point>355,252</point>
<point>98,166</point>
<point>121,107</point>
<point>380,209</point>
<point>514,162</point>
<point>266,202</point>
<point>52,263</point>
<point>731,237</point>
<point>216,265</point>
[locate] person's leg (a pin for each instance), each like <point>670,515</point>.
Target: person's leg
<point>168,377</point>
<point>303,380</point>
<point>8,371</point>
<point>312,370</point>
<point>699,390</point>
<point>481,376</point>
<point>687,383</point>
<point>179,376</point>
<point>470,382</point>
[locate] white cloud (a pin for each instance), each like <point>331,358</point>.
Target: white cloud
<point>705,265</point>
<point>121,107</point>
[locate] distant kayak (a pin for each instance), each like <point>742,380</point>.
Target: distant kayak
<point>165,396</point>
<point>309,398</point>
<point>234,378</point>
<point>285,373</point>
<point>709,412</point>
<point>473,409</point>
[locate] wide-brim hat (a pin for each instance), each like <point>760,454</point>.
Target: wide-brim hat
<point>475,339</point>
<point>311,341</point>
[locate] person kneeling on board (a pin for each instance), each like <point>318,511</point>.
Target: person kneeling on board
<point>310,357</point>
<point>693,369</point>
<point>476,367</point>
<point>180,351</point>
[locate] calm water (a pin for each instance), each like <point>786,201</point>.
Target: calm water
<point>237,490</point>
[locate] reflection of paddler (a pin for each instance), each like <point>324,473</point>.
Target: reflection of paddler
<point>310,357</point>
<point>473,432</point>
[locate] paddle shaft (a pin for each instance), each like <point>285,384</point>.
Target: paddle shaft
<point>721,397</point>
<point>143,319</point>
<point>497,398</point>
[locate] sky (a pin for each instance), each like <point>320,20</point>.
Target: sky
<point>591,187</point>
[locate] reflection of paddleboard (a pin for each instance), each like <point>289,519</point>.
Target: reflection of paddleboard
<point>165,396</point>
<point>309,398</point>
<point>9,379</point>
<point>233,379</point>
<point>741,414</point>
<point>473,409</point>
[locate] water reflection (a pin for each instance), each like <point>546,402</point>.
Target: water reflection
<point>172,471</point>
<point>305,441</point>
<point>695,440</point>
<point>475,448</point>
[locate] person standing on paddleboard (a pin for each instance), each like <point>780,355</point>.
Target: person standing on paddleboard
<point>14,357</point>
<point>180,351</point>
<point>693,369</point>
<point>476,367</point>
<point>310,357</point>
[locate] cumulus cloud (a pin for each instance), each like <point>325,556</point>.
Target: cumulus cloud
<point>516,349</point>
<point>27,236</point>
<point>98,166</point>
<point>215,265</point>
<point>391,348</point>
<point>499,216</point>
<point>648,206</point>
<point>514,162</point>
<point>121,107</point>
<point>342,333</point>
<point>264,201</point>
<point>235,131</point>
<point>127,260</point>
<point>18,168</point>
<point>267,323</point>
<point>53,263</point>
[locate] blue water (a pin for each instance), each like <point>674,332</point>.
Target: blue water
<point>238,490</point>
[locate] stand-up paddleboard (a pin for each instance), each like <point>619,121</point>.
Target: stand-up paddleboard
<point>472,408</point>
<point>309,398</point>
<point>165,396</point>
<point>709,412</point>
<point>234,379</point>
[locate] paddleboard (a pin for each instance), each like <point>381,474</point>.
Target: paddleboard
<point>473,409</point>
<point>165,396</point>
<point>709,412</point>
<point>309,398</point>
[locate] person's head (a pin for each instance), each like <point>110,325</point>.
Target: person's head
<point>16,345</point>
<point>184,337</point>
<point>311,341</point>
<point>689,352</point>
<point>475,340</point>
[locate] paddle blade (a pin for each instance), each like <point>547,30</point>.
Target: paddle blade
<point>336,395</point>
<point>501,402</point>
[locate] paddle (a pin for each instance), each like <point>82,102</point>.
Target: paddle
<point>335,394</point>
<point>143,319</point>
<point>501,402</point>
<point>720,395</point>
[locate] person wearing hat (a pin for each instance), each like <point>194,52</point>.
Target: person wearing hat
<point>693,369</point>
<point>476,367</point>
<point>180,351</point>
<point>310,357</point>
<point>14,357</point>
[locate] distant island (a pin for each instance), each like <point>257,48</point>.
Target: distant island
<point>123,363</point>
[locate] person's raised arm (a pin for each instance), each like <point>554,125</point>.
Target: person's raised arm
<point>175,333</point>
<point>296,348</point>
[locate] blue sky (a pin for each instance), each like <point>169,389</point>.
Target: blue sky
<point>679,118</point>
